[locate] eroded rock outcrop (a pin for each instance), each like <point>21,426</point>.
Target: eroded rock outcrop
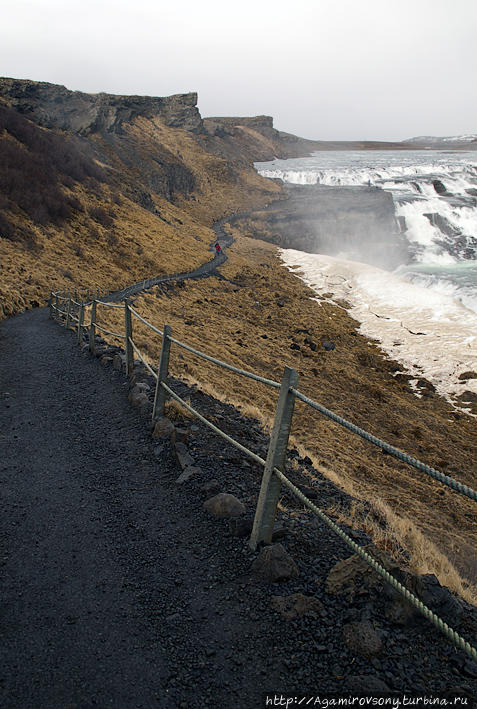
<point>54,106</point>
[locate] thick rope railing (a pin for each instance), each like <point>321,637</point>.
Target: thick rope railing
<point>139,354</point>
<point>108,332</point>
<point>230,367</point>
<point>453,635</point>
<point>432,472</point>
<point>139,317</point>
<point>108,305</point>
<point>208,423</point>
<point>457,639</point>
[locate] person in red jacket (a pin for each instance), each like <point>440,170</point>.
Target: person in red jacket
<point>217,248</point>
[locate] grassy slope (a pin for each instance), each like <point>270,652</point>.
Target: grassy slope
<point>240,321</point>
<point>82,252</point>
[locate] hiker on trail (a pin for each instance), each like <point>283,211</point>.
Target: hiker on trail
<point>217,248</point>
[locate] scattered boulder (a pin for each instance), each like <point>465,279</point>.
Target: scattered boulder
<point>180,435</point>
<point>240,526</point>
<point>328,346</point>
<point>346,575</point>
<point>162,428</point>
<point>465,376</point>
<point>439,187</point>
<point>362,639</point>
<point>119,362</point>
<point>137,396</point>
<point>297,605</point>
<point>274,564</point>
<point>224,505</point>
<point>211,487</point>
<point>182,454</point>
<point>438,598</point>
<point>188,473</point>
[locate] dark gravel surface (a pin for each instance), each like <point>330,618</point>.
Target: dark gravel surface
<point>119,590</point>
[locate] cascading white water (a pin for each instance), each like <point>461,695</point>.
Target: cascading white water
<point>435,197</point>
<point>424,313</point>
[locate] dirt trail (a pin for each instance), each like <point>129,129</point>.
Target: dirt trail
<point>97,543</point>
<point>204,271</point>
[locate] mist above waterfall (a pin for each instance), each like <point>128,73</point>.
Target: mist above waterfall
<point>422,217</point>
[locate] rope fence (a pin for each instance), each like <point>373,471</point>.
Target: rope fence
<point>273,475</point>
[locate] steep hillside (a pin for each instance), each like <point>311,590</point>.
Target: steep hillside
<point>104,190</point>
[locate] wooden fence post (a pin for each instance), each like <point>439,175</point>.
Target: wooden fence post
<point>68,311</point>
<point>270,488</point>
<point>80,321</point>
<point>162,372</point>
<point>92,330</point>
<point>128,337</point>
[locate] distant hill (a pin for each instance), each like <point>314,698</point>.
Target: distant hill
<point>469,141</point>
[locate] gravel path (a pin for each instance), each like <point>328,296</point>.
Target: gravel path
<point>207,269</point>
<point>119,590</point>
<point>108,597</point>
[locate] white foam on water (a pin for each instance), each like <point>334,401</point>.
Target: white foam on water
<point>429,333</point>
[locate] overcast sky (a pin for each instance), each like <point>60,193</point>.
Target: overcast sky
<point>324,69</point>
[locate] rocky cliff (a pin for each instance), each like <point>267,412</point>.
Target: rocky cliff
<point>55,106</point>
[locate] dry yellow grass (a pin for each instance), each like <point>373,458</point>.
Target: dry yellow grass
<point>240,322</point>
<point>83,254</point>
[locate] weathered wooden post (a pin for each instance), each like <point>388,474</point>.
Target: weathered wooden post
<point>68,311</point>
<point>92,329</point>
<point>162,372</point>
<point>128,337</point>
<point>270,488</point>
<point>80,321</point>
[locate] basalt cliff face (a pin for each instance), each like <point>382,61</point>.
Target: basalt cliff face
<point>54,106</point>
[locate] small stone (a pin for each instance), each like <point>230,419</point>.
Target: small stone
<point>188,473</point>
<point>119,362</point>
<point>240,526</point>
<point>180,435</point>
<point>297,605</point>
<point>211,487</point>
<point>224,505</point>
<point>163,428</point>
<point>183,456</point>
<point>362,639</point>
<point>274,564</point>
<point>328,345</point>
<point>279,532</point>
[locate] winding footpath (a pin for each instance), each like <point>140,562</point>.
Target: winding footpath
<point>207,269</point>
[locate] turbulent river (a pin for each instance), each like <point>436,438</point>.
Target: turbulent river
<point>425,311</point>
